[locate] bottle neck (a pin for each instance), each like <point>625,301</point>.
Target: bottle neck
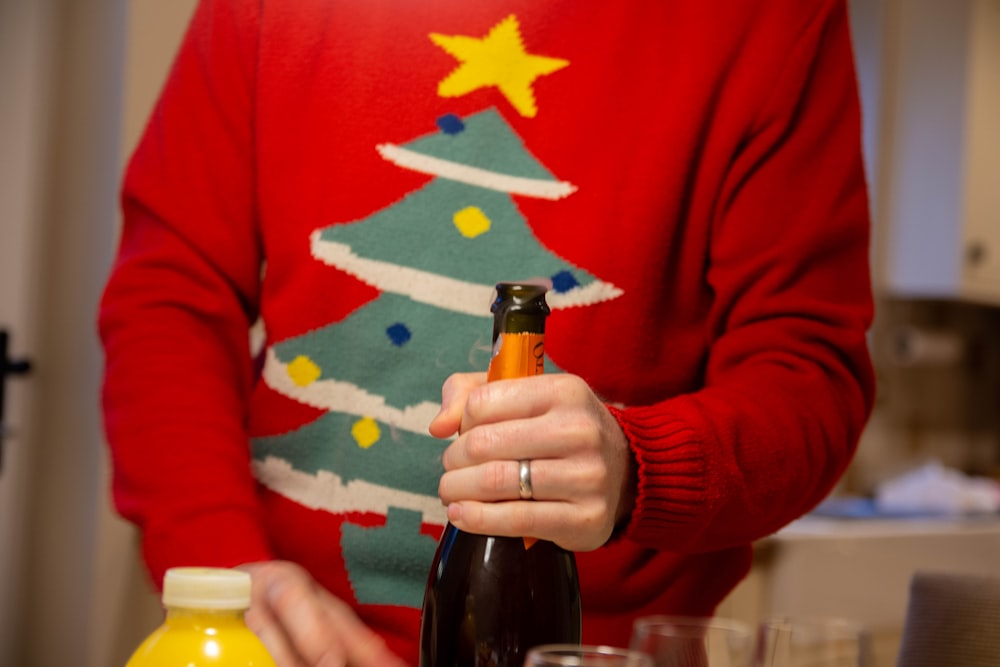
<point>187,616</point>
<point>519,314</point>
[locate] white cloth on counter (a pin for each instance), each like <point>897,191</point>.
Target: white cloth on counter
<point>935,489</point>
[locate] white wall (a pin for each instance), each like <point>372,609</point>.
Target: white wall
<point>71,589</point>
<point>67,500</point>
<point>25,63</point>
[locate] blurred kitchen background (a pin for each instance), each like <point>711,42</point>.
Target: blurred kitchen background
<point>77,80</point>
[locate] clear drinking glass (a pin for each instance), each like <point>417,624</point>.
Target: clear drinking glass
<point>676,641</point>
<point>813,642</point>
<point>572,655</point>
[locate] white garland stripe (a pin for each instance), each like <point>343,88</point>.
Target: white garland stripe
<point>327,491</point>
<point>423,286</point>
<point>595,292</point>
<point>441,291</point>
<point>516,185</point>
<point>336,396</point>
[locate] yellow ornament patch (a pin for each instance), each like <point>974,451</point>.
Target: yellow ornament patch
<point>303,371</point>
<point>366,432</point>
<point>471,222</point>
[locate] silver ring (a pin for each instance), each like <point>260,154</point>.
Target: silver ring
<point>524,479</point>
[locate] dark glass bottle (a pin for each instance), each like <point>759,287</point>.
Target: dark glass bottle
<point>489,599</point>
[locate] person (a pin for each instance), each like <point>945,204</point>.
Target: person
<point>297,322</point>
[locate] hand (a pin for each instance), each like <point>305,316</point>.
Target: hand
<point>580,459</point>
<point>302,625</point>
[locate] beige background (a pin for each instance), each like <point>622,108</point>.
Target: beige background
<point>78,78</point>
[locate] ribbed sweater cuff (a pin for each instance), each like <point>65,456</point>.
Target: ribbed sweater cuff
<point>670,469</point>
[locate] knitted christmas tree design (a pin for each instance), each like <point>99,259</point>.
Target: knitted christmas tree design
<point>434,256</point>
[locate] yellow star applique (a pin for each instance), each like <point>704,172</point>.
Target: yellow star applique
<point>498,59</point>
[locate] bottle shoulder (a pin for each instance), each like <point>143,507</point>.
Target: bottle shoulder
<point>199,641</point>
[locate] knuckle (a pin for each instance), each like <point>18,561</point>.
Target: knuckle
<point>522,519</point>
<point>570,386</point>
<point>494,476</point>
<point>591,477</point>
<point>475,403</point>
<point>254,619</point>
<point>578,427</point>
<point>452,382</point>
<point>443,489</point>
<point>590,526</point>
<point>329,658</point>
<point>593,516</point>
<point>472,517</point>
<point>285,598</point>
<point>480,444</point>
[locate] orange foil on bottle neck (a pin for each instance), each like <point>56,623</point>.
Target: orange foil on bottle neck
<point>517,355</point>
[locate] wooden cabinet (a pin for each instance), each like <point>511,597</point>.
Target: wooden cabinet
<point>981,229</point>
<point>936,172</point>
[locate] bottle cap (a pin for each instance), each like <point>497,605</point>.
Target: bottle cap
<point>528,297</point>
<point>206,588</point>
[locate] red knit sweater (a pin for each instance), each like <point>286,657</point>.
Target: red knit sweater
<point>357,175</point>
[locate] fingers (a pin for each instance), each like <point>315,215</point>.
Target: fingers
<point>514,440</point>
<point>288,617</point>
<point>522,397</point>
<point>268,629</point>
<point>362,646</point>
<point>298,611</point>
<point>302,624</point>
<point>551,479</point>
<point>571,505</point>
<point>263,619</point>
<point>509,408</point>
<point>467,400</point>
<point>580,462</point>
<point>573,526</point>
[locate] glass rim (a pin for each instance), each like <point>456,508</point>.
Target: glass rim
<point>840,624</point>
<point>700,622</point>
<point>570,654</point>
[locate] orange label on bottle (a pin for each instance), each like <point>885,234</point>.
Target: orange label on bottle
<point>517,355</point>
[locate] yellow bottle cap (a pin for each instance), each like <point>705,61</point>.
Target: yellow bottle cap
<point>206,588</point>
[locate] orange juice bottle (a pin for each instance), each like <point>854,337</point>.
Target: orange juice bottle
<point>204,623</point>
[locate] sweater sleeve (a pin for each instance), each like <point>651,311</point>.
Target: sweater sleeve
<point>178,304</point>
<point>788,382</point>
